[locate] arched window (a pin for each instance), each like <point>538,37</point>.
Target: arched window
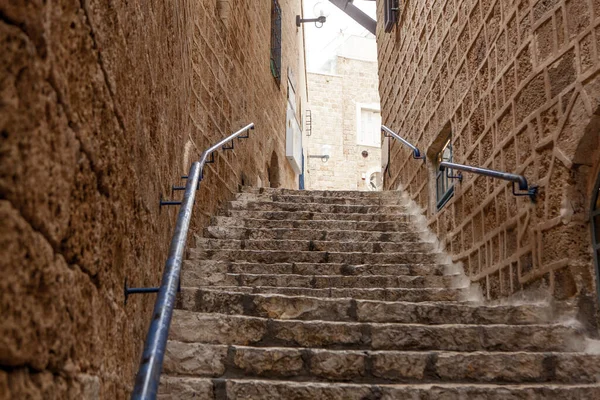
<point>273,171</point>
<point>375,181</point>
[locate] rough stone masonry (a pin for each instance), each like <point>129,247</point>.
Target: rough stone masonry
<point>515,86</point>
<point>103,106</point>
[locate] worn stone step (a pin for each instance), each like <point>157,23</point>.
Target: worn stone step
<point>198,268</point>
<point>316,207</point>
<point>385,294</point>
<point>330,225</point>
<point>350,194</point>
<point>273,256</point>
<point>207,360</point>
<point>315,216</point>
<point>303,199</point>
<point>183,388</point>
<point>192,327</point>
<point>324,281</point>
<point>313,308</point>
<point>224,232</point>
<point>313,245</point>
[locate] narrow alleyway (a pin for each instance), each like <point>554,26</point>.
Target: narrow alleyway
<point>339,295</point>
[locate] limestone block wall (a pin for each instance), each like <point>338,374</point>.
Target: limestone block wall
<point>517,84</point>
<point>103,106</point>
<point>333,101</point>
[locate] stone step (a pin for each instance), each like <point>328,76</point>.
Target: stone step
<point>225,232</point>
<point>330,225</point>
<point>323,281</point>
<point>316,207</point>
<point>379,294</point>
<point>313,245</point>
<point>349,194</point>
<point>196,269</point>
<point>300,199</point>
<point>192,327</point>
<point>315,216</point>
<point>313,308</point>
<point>207,360</point>
<point>183,388</point>
<point>273,256</point>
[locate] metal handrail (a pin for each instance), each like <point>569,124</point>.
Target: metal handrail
<point>148,376</point>
<point>531,191</point>
<point>416,153</point>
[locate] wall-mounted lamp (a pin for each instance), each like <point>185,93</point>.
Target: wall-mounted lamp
<point>325,153</point>
<point>323,157</point>
<point>321,11</point>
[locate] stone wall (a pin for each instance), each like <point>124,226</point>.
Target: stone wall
<point>517,85</point>
<point>103,105</point>
<point>333,101</point>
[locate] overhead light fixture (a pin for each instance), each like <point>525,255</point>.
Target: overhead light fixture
<point>321,12</point>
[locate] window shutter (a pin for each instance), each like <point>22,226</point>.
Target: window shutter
<point>376,132</point>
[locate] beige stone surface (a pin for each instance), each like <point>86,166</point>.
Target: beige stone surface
<point>333,104</point>
<point>185,388</point>
<point>194,359</point>
<point>517,84</point>
<point>399,366</point>
<point>275,327</point>
<point>340,366</point>
<point>277,361</point>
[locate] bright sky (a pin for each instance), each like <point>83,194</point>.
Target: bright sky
<point>321,44</point>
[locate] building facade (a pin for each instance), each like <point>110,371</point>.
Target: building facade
<point>511,86</point>
<point>103,107</point>
<point>343,143</point>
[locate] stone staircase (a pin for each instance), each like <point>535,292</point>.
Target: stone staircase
<point>336,295</point>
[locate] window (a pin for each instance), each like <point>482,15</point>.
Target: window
<point>276,41</point>
<point>368,125</point>
<point>444,188</point>
<point>390,10</point>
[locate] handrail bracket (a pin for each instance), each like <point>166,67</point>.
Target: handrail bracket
<point>531,191</point>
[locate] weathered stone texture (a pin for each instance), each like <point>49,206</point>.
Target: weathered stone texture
<point>518,85</point>
<point>103,106</point>
<point>237,340</point>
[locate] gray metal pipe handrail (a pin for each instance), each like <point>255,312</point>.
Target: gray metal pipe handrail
<point>531,191</point>
<point>148,376</point>
<point>416,153</point>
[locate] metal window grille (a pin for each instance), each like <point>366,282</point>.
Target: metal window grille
<point>390,12</point>
<point>444,187</point>
<point>276,41</point>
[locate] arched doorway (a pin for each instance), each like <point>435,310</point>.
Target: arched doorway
<point>596,229</point>
<point>273,171</point>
